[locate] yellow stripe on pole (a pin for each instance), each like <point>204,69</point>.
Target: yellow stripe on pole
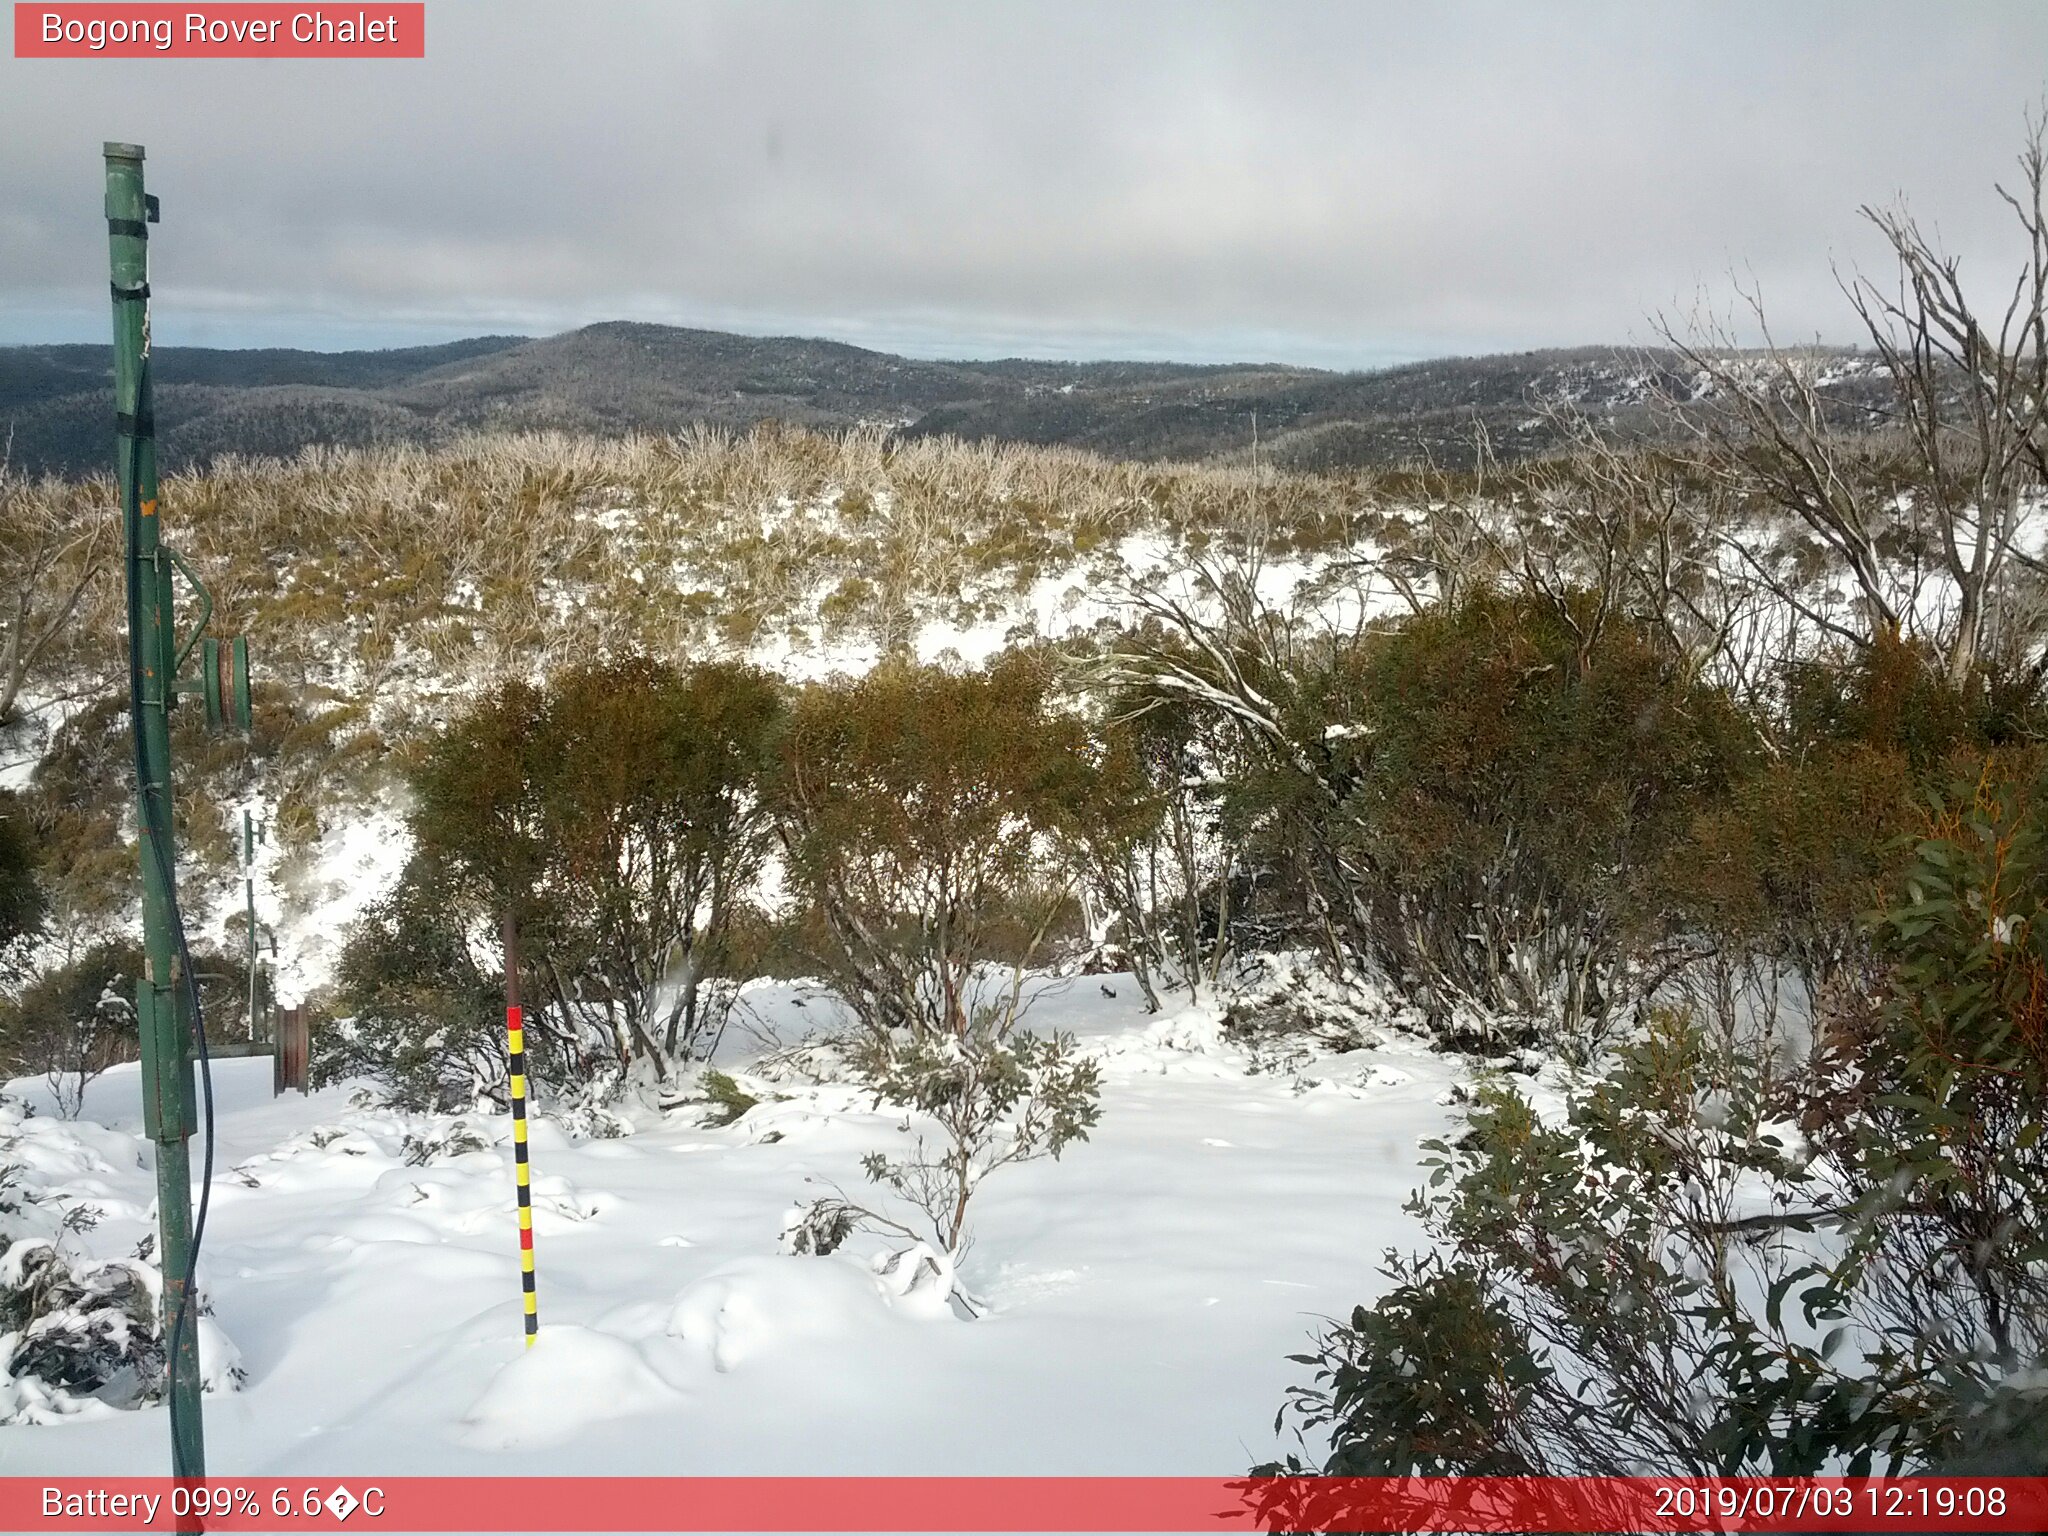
<point>515,1042</point>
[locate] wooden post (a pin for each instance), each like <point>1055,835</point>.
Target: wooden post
<point>290,1066</point>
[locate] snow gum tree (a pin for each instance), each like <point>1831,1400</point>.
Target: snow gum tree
<point>1963,450</point>
<point>919,813</point>
<point>1469,800</point>
<point>1522,763</point>
<point>616,816</point>
<point>926,819</point>
<point>54,542</point>
<point>655,826</point>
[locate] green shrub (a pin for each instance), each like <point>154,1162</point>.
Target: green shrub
<point>79,795</point>
<point>23,902</point>
<point>919,812</point>
<point>1601,1307</point>
<point>423,1013</point>
<point>1724,1261</point>
<point>73,1021</point>
<point>1948,1073</point>
<point>1144,831</point>
<point>1517,768</point>
<point>1896,697</point>
<point>617,816</point>
<point>995,1097</point>
<point>729,1098</point>
<point>1793,859</point>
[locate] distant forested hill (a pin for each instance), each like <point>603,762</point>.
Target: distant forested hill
<point>619,378</point>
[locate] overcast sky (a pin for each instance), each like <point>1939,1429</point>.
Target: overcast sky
<point>1344,184</point>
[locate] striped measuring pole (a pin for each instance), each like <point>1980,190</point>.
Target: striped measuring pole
<point>515,1040</point>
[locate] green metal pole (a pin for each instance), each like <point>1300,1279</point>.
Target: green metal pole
<point>249,899</point>
<point>161,1006</point>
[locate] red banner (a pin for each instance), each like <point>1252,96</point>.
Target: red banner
<point>1015,1504</point>
<point>241,31</point>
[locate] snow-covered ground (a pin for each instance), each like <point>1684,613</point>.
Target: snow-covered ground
<point>1145,1290</point>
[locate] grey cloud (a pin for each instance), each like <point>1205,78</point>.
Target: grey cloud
<point>1336,183</point>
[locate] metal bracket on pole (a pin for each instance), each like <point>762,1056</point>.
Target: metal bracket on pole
<point>223,681</point>
<point>169,1097</point>
<point>205,596</point>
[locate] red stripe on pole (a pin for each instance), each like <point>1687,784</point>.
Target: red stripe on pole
<point>1015,1504</point>
<point>526,1237</point>
<point>515,1017</point>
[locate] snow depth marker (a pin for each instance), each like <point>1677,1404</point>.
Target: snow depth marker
<point>515,1040</point>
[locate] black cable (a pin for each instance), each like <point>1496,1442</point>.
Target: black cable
<point>180,1321</point>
